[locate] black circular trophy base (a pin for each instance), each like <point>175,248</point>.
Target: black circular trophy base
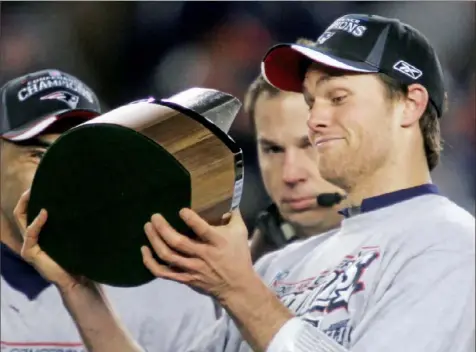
<point>100,184</point>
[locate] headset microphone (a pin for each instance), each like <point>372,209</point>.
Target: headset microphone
<point>330,199</point>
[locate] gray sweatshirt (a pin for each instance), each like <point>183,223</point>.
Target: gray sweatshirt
<point>397,277</point>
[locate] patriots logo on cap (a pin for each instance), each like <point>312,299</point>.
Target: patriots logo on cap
<point>66,97</point>
<point>323,38</point>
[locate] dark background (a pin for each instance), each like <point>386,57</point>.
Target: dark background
<point>130,50</point>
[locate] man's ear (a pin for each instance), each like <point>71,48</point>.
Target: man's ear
<point>416,102</point>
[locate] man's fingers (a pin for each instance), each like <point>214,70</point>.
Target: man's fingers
<point>236,217</point>
<point>225,219</point>
<point>199,226</point>
<point>237,223</point>
<point>20,210</point>
<point>30,246</point>
<point>173,239</point>
<point>163,271</point>
<point>150,262</point>
<point>167,254</point>
<point>33,231</point>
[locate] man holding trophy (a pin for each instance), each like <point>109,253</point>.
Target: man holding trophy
<point>36,109</point>
<point>399,273</point>
<point>148,328</point>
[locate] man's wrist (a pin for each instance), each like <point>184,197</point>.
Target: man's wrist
<point>257,312</point>
<point>79,288</point>
<point>249,285</point>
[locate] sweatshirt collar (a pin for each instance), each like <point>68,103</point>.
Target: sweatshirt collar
<point>387,199</point>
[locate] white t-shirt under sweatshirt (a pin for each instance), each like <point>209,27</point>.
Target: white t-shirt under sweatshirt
<point>398,276</point>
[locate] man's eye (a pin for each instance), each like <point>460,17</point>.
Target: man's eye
<point>272,150</point>
<point>38,154</point>
<point>338,99</point>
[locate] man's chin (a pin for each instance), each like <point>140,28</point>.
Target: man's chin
<point>313,222</point>
<point>305,218</point>
<point>334,173</point>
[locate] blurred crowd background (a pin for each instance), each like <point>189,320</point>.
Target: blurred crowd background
<point>131,50</point>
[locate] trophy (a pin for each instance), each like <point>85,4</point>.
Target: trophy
<point>101,181</point>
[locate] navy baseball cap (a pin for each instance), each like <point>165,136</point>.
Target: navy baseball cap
<point>362,43</point>
<point>33,102</point>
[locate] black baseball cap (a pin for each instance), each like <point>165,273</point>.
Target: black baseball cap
<point>362,43</point>
<point>33,102</point>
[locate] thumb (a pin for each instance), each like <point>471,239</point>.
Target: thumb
<point>21,209</point>
<point>236,217</point>
<point>238,224</point>
<point>225,219</point>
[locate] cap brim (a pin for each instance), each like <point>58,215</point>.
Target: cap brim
<point>39,125</point>
<point>282,65</point>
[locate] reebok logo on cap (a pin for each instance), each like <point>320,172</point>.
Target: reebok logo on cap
<point>407,69</point>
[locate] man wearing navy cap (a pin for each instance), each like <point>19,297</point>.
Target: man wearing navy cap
<point>397,276</point>
<point>35,110</point>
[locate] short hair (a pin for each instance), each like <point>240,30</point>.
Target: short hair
<point>260,86</point>
<point>429,121</point>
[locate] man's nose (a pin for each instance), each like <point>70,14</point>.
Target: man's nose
<point>320,117</point>
<point>293,170</point>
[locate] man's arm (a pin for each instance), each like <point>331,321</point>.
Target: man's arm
<point>257,313</point>
<point>219,263</point>
<point>425,307</point>
<point>99,327</point>
<point>97,323</point>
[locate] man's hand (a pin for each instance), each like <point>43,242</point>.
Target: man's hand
<point>218,263</point>
<point>33,254</point>
<point>97,324</point>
